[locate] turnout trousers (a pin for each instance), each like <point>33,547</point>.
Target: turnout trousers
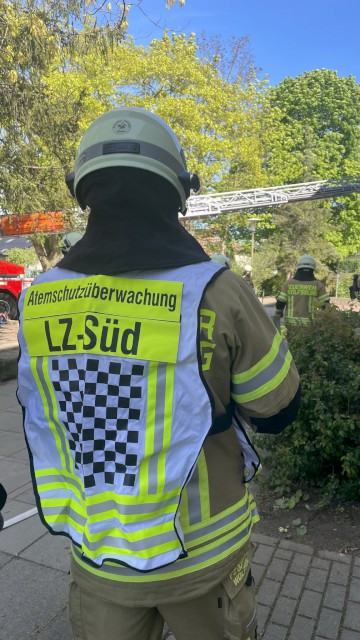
<point>227,612</point>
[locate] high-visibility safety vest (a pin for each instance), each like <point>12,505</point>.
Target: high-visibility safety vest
<point>116,410</point>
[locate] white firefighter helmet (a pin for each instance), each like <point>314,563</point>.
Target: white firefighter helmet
<point>248,267</point>
<point>221,259</point>
<point>69,240</point>
<point>306,262</point>
<point>133,137</point>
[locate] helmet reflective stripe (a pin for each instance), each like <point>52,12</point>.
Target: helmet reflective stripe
<point>131,137</point>
<point>130,146</point>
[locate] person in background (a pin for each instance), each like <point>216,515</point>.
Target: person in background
<point>136,352</point>
<point>247,275</point>
<point>354,289</point>
<point>301,295</point>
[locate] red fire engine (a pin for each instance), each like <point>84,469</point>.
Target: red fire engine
<point>12,283</point>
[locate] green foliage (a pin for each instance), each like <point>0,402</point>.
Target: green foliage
<point>322,447</point>
<point>319,138</point>
<point>24,257</point>
<point>298,229</point>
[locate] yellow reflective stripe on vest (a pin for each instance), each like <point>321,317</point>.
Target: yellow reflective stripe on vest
<point>200,558</point>
<point>204,486</point>
<point>197,493</point>
<point>265,376</point>
<point>184,509</point>
<point>167,422</point>
<point>39,368</point>
<point>145,485</point>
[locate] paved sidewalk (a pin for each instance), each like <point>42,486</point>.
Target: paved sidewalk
<point>302,595</point>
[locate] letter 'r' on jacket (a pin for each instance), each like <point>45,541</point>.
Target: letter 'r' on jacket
<point>103,362</point>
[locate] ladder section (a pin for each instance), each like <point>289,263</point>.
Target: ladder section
<point>232,201</point>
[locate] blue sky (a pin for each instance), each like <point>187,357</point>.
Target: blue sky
<point>287,38</point>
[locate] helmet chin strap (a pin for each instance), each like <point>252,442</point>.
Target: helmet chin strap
<point>189,181</point>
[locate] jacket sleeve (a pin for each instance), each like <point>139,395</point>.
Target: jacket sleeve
<point>323,295</point>
<point>264,379</point>
<point>245,362</point>
<point>281,300</point>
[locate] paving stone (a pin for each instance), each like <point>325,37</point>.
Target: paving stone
<point>292,585</point>
<point>18,537</point>
<point>12,422</point>
<point>352,616</point>
<point>309,604</point>
<point>340,573</point>
<point>295,546</point>
<point>274,632</point>
<point>23,454</point>
<point>50,551</point>
<point>302,628</point>
<point>283,611</point>
<point>355,590</point>
<point>356,572</point>
<point>319,563</point>
<point>31,596</point>
<point>357,561</point>
<point>277,569</point>
<point>260,539</point>
<point>257,571</point>
<point>300,563</point>
<point>329,623</point>
<point>284,554</point>
<point>349,635</point>
<point>14,473</point>
<point>335,596</point>
<point>14,508</point>
<point>263,614</point>
<point>59,628</point>
<point>335,557</point>
<point>27,497</point>
<point>4,558</point>
<point>316,579</point>
<point>263,554</point>
<point>268,592</point>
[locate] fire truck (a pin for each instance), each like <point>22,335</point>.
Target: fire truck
<point>12,283</point>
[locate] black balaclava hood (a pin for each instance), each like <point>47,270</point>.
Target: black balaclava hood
<point>304,275</point>
<point>133,225</point>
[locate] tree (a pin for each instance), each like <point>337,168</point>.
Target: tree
<point>38,132</point>
<point>319,139</point>
<point>168,78</point>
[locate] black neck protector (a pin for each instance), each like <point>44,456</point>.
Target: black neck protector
<point>133,225</point>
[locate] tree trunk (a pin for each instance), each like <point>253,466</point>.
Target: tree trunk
<point>47,249</point>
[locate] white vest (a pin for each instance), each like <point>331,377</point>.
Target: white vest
<point>116,411</point>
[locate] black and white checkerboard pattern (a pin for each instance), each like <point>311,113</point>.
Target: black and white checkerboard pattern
<point>100,406</point>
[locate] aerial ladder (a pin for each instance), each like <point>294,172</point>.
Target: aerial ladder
<point>263,198</point>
